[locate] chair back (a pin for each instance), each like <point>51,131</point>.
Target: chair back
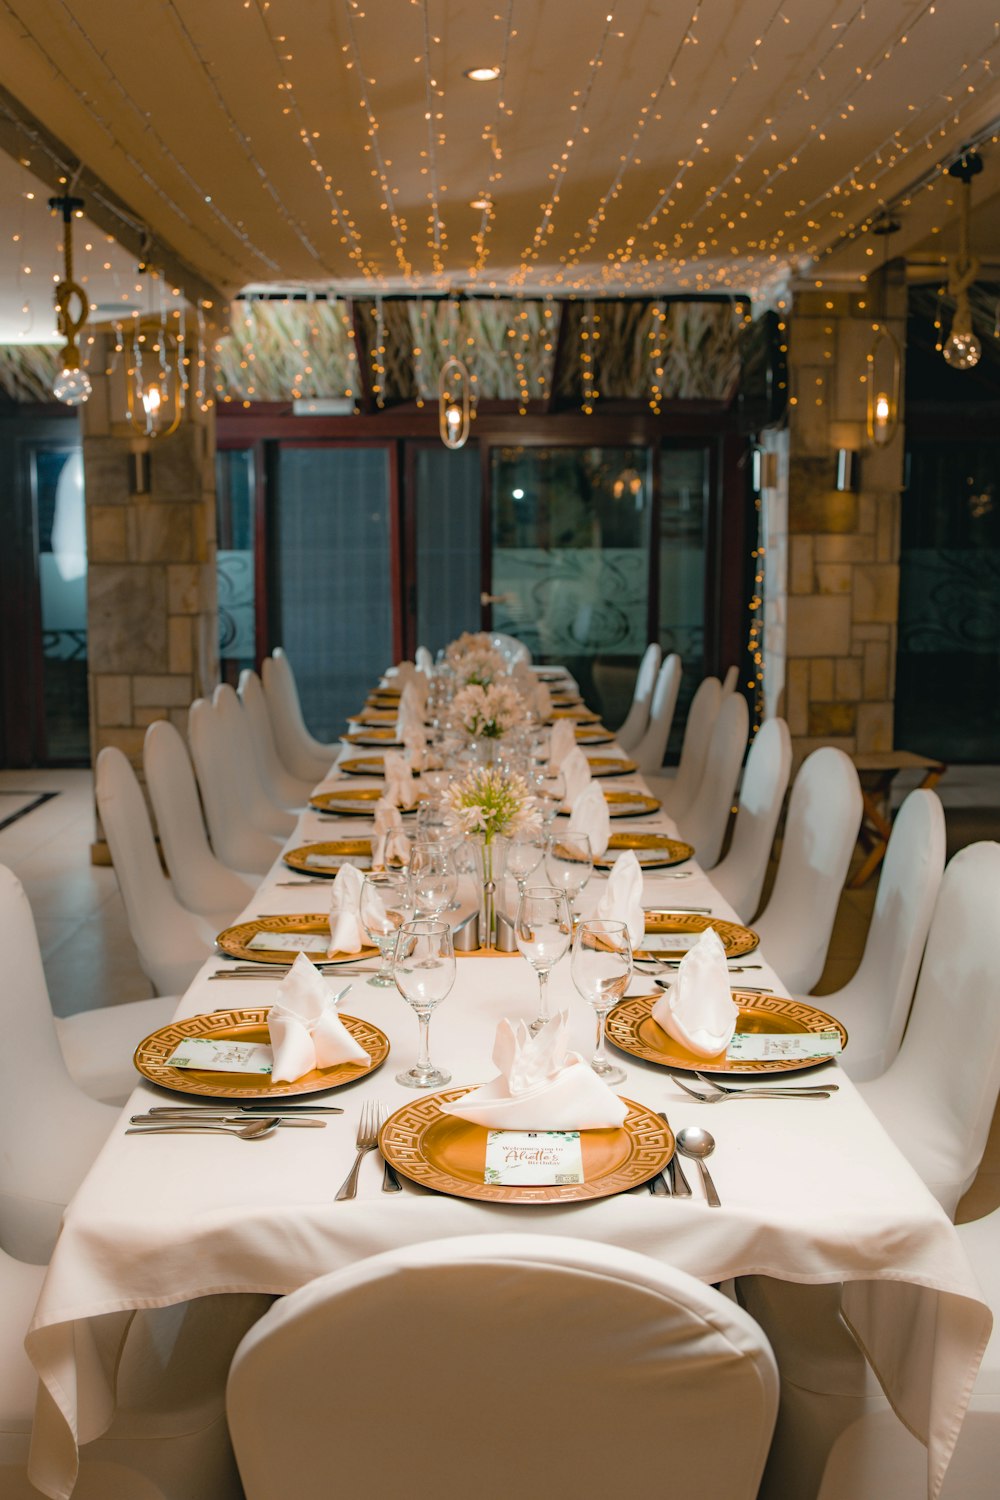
<point>648,753</point>
<point>937,1098</point>
<point>875,1003</point>
<point>821,829</point>
<point>423,660</point>
<point>740,876</point>
<point>239,843</point>
<point>637,720</point>
<point>258,806</point>
<point>510,648</point>
<point>282,788</point>
<point>730,680</point>
<point>304,756</point>
<point>172,943</point>
<point>680,793</point>
<point>201,882</point>
<point>624,1343</point>
<point>51,1130</point>
<point>706,820</point>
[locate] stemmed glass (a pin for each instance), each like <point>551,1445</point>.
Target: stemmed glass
<point>601,967</point>
<point>424,972</point>
<point>524,854</point>
<point>550,793</point>
<point>433,878</point>
<point>543,930</point>
<point>383,910</point>
<point>569,862</point>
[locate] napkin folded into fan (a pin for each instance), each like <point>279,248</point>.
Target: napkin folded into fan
<point>698,1010</point>
<point>406,673</point>
<point>414,737</point>
<point>399,789</point>
<point>410,714</point>
<point>390,844</point>
<point>541,702</point>
<point>346,935</point>
<point>541,1086</point>
<point>535,694</point>
<point>590,817</point>
<point>561,741</point>
<point>622,899</point>
<point>305,1029</point>
<point>576,774</point>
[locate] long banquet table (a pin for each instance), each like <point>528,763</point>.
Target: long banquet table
<point>812,1193</point>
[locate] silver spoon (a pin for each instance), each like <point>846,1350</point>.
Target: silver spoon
<point>696,1143</point>
<point>255,1131</point>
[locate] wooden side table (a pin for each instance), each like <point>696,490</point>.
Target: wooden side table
<point>877,770</point>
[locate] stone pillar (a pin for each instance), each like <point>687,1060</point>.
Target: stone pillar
<point>841,606</point>
<point>151,589</point>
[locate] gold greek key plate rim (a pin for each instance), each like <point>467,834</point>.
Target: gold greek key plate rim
<point>297,859</point>
<point>374,716</point>
<point>736,939</point>
<point>352,801</point>
<point>235,941</point>
<point>449,1155</point>
<point>581,715</point>
<point>593,734</point>
<point>384,737</point>
<point>631,804</point>
<point>248,1024</point>
<point>365,765</point>
<point>652,850</point>
<point>631,1028</point>
<point>610,765</point>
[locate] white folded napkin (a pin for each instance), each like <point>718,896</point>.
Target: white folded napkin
<point>346,935</point>
<point>590,817</point>
<point>389,843</point>
<point>622,899</point>
<point>402,674</point>
<point>541,1086</point>
<point>399,789</point>
<point>698,1010</point>
<point>561,742</point>
<point>411,710</point>
<point>576,773</point>
<point>424,660</point>
<point>541,702</point>
<point>306,1031</point>
<point>414,737</point>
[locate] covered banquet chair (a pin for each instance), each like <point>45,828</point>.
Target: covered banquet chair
<point>237,841</point>
<point>705,822</point>
<point>648,1365</point>
<point>306,757</point>
<point>677,792</point>
<point>739,877</point>
<point>649,751</point>
<point>284,789</point>
<point>637,718</point>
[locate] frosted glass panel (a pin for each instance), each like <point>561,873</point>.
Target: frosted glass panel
<point>333,610</point>
<point>448,560</point>
<point>684,490</point>
<point>62,578</point>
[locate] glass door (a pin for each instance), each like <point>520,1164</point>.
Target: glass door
<point>61,539</point>
<point>443,530</point>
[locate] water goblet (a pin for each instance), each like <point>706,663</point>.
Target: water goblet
<point>433,878</point>
<point>424,972</point>
<point>525,850</point>
<point>550,793</point>
<point>569,863</point>
<point>383,909</point>
<point>601,967</point>
<point>542,930</point>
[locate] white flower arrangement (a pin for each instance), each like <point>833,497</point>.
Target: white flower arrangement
<point>493,804</point>
<point>488,713</point>
<point>473,659</point>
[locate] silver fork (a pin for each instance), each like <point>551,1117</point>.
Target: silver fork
<point>722,1096</point>
<point>367,1140</point>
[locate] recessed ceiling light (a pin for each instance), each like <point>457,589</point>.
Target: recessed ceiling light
<point>482,203</point>
<point>482,75</point>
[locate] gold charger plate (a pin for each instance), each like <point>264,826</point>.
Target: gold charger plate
<point>352,801</point>
<point>652,850</point>
<point>383,697</point>
<point>581,715</point>
<point>631,804</point>
<point>631,1027</point>
<point>610,765</point>
<point>370,716</point>
<point>365,765</point>
<point>385,737</point>
<point>449,1155</point>
<point>248,1024</point>
<point>593,734</point>
<point>345,851</point>
<point>736,939</point>
<point>235,941</point>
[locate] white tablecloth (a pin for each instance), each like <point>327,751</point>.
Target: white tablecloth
<point>810,1193</point>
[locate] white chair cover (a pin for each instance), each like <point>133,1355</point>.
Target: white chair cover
<point>305,757</point>
<point>51,1132</point>
<point>730,680</point>
<point>648,753</point>
<point>937,1098</point>
<point>511,649</point>
<point>611,1343</point>
<point>739,877</point>
<point>423,660</point>
<point>821,829</point>
<point>201,882</point>
<point>236,841</point>
<point>172,943</point>
<point>679,791</point>
<point>705,822</point>
<point>637,720</point>
<point>266,814</point>
<point>283,789</point>
<point>97,1045</point>
<point>875,1003</point>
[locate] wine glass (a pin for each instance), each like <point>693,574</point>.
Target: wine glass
<point>524,854</point>
<point>433,878</point>
<point>569,862</point>
<point>542,930</point>
<point>383,910</point>
<point>424,972</point>
<point>601,967</point>
<point>550,793</point>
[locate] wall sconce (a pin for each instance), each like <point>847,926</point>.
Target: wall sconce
<point>71,385</point>
<point>153,380</point>
<point>962,349</point>
<point>454,403</point>
<point>848,470</point>
<point>885,363</point>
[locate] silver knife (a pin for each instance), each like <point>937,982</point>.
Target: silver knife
<point>679,1183</point>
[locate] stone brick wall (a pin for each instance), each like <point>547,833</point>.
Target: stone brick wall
<point>834,656</point>
<point>151,589</point>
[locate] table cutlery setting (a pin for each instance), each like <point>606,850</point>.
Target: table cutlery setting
<point>718,1093</point>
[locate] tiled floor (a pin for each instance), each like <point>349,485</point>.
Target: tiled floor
<point>90,960</point>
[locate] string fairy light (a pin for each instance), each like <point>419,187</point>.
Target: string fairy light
<point>433,115</point>
<point>352,8</point>
<point>491,135</point>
